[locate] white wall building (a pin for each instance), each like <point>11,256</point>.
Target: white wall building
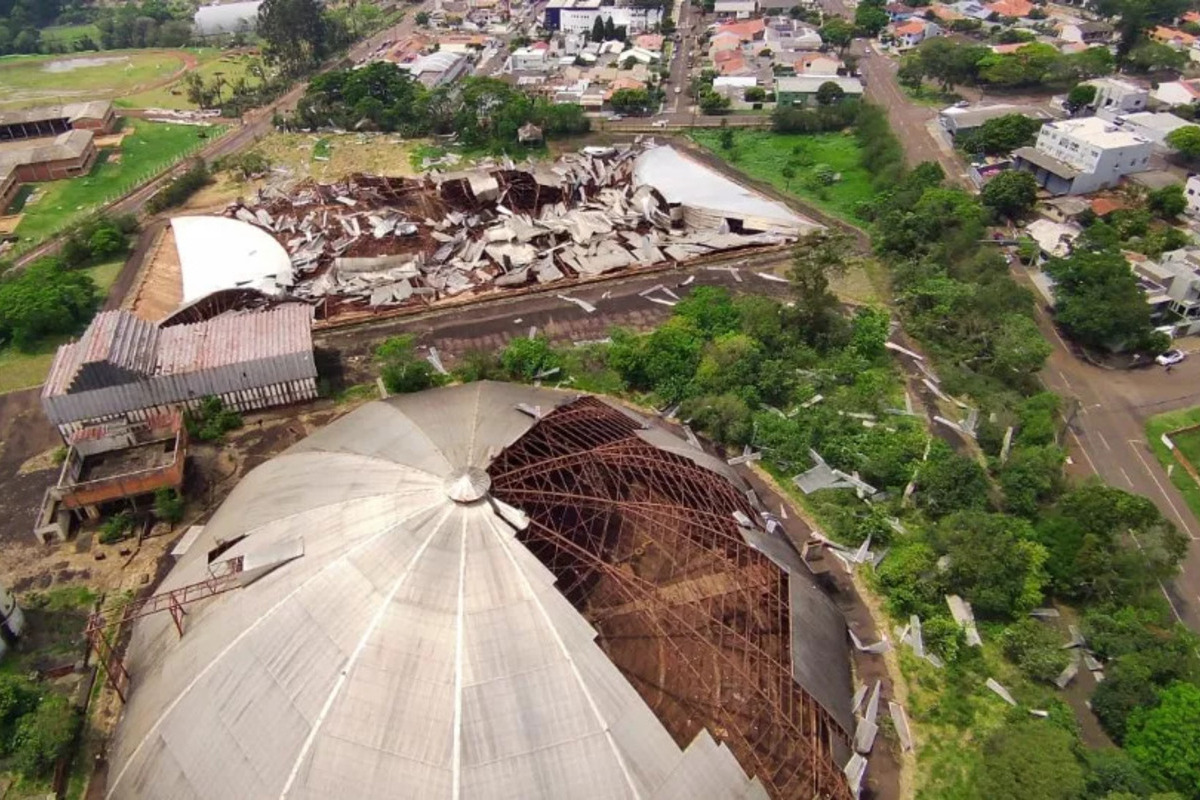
<point>1080,156</point>
<point>1117,96</point>
<point>1151,125</point>
<point>526,59</point>
<point>1191,191</point>
<point>578,16</point>
<point>739,9</point>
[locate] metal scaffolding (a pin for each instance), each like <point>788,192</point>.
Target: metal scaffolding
<point>645,544</point>
<point>105,626</point>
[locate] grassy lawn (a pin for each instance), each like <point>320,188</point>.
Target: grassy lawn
<point>377,154</point>
<point>36,80</point>
<point>20,370</point>
<point>69,34</point>
<point>150,148</point>
<point>1188,444</point>
<point>213,62</point>
<point>763,155</point>
<point>929,96</point>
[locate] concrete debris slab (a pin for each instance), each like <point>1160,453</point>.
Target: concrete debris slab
<point>1077,639</point>
<point>900,723</point>
<point>864,736</point>
<point>860,694</point>
<point>1068,674</point>
<point>436,361</point>
<point>876,648</point>
<point>691,437</point>
<point>661,302</point>
<point>897,348</point>
<point>1091,662</point>
<point>1000,691</point>
<point>1045,613</point>
<point>766,276</point>
<point>854,771</point>
<point>963,615</point>
<point>915,638</point>
<point>586,306</point>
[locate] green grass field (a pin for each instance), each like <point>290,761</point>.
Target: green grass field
<point>69,34</point>
<point>152,147</point>
<point>231,67</point>
<point>19,370</point>
<point>36,80</point>
<point>762,155</point>
<point>1188,444</point>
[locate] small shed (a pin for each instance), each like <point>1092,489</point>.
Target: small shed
<point>529,134</point>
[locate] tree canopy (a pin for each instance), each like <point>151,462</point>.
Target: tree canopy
<point>1165,740</point>
<point>1098,300</point>
<point>1186,140</point>
<point>1011,194</point>
<point>42,299</point>
<point>1000,135</point>
<point>1030,760</point>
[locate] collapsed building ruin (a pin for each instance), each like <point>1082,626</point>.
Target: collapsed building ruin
<point>369,242</point>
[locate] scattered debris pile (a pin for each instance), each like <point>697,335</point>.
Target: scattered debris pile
<point>369,242</point>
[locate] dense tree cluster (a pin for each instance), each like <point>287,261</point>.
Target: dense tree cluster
<point>21,22</point>
<point>1001,135</point>
<point>36,729</point>
<point>1097,298</point>
<point>951,64</point>
<point>149,23</point>
<point>381,96</point>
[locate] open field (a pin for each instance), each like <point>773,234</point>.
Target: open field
<point>230,66</point>
<point>763,155</point>
<point>20,370</point>
<point>37,80</point>
<point>150,148</point>
<point>1188,444</point>
<point>333,156</point>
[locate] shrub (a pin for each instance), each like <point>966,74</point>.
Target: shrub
<point>116,528</point>
<point>180,188</point>
<point>402,370</point>
<point>1035,648</point>
<point>45,736</point>
<point>524,359</point>
<point>211,420</point>
<point>168,505</point>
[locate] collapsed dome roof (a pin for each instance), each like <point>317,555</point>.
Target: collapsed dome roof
<point>469,603</point>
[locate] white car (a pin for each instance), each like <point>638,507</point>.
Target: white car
<point>1171,358</point>
<point>659,123</point>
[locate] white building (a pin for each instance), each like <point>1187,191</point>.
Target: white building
<point>1178,93</point>
<point>1119,97</point>
<point>1151,125</point>
<point>733,86</point>
<point>1080,156</point>
<point>579,16</point>
<point>1173,284</point>
<point>1191,191</point>
<point>527,59</point>
<point>739,9</point>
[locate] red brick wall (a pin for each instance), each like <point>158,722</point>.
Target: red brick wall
<point>58,170</point>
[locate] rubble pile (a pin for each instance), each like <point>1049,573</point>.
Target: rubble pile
<point>372,242</point>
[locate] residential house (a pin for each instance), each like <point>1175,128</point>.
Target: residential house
<point>734,87</point>
<point>1054,239</point>
<point>972,9</point>
<point>1177,93</point>
<point>649,41</point>
<point>817,64</point>
<point>801,90</point>
<point>732,63</point>
<point>1011,8</point>
<point>1172,38</point>
<point>1177,278</point>
<point>1088,33</point>
<point>750,30</point>
<point>944,13</point>
<point>957,121</point>
<point>725,40</point>
<point>1079,156</point>
<point>913,32</point>
<point>1116,96</point>
<point>738,9</point>
<point>790,38</point>
<point>898,12</point>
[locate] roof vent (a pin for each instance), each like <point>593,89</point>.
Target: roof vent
<point>468,485</point>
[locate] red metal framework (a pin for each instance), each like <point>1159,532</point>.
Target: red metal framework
<point>105,626</point>
<point>644,543</point>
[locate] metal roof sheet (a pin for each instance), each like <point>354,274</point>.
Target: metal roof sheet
<point>416,649</point>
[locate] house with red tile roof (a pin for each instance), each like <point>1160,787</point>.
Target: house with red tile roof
<point>1011,8</point>
<point>747,31</point>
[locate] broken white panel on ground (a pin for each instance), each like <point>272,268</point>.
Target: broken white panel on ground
<point>1001,691</point>
<point>963,615</point>
<point>900,723</point>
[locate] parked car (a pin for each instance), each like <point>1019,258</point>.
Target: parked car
<point>1171,358</point>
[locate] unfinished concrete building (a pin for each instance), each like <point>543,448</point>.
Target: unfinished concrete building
<point>126,368</point>
<point>374,243</point>
<point>485,591</point>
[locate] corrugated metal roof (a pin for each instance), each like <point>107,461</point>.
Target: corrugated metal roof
<point>417,648</point>
<point>91,109</point>
<point>140,350</point>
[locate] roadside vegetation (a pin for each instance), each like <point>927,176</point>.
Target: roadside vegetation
<point>483,112</point>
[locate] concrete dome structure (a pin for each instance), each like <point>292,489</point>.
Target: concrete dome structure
<point>416,632</point>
